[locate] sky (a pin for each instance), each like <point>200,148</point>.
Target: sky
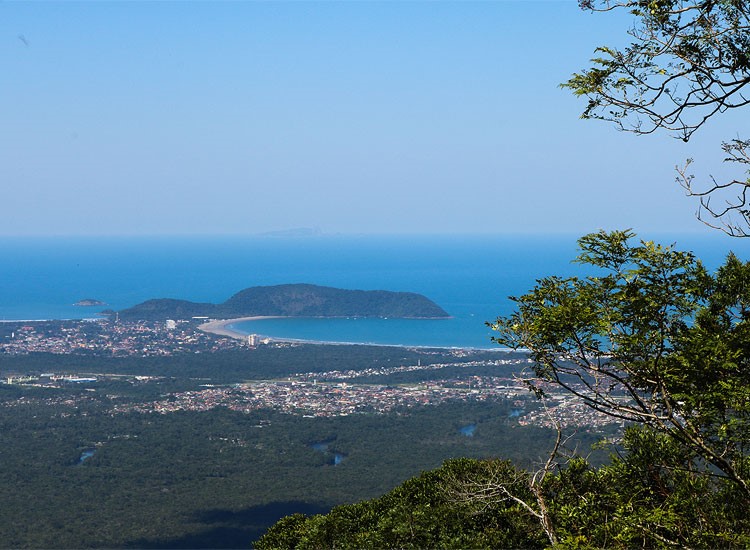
<point>172,118</point>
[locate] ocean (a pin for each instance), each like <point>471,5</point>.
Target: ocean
<point>471,276</point>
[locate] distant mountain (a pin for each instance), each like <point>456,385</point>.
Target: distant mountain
<point>89,302</point>
<point>294,232</point>
<point>294,300</point>
<point>167,308</point>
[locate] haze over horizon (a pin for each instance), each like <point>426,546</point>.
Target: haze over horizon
<point>151,118</point>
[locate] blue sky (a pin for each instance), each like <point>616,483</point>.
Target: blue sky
<point>351,117</point>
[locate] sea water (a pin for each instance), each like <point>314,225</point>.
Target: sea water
<point>471,277</point>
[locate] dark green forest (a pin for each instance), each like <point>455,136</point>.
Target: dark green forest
<point>236,366</point>
<point>134,452</point>
<point>75,474</point>
<point>217,479</point>
<point>293,300</point>
<point>654,340</point>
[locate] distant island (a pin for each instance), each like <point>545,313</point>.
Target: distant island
<point>294,232</point>
<point>89,302</point>
<point>293,300</point>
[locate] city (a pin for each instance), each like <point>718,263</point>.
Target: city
<point>319,394</point>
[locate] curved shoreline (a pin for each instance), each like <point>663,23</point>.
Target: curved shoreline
<point>220,327</point>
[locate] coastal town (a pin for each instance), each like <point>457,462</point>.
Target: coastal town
<point>112,338</point>
<point>315,394</point>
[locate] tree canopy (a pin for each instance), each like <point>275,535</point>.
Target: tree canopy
<point>653,339</point>
<point>688,61</point>
<point>650,497</point>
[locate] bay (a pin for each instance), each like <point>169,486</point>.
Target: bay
<point>470,276</point>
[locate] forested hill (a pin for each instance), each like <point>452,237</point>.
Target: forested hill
<point>294,300</point>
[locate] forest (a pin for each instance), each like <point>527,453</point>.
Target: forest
<point>654,340</point>
<point>78,474</point>
<point>303,300</point>
<point>651,340</point>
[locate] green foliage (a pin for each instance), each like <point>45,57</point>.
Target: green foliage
<point>655,340</point>
<point>265,362</point>
<point>652,338</point>
<point>686,61</point>
<point>300,300</point>
<point>213,479</point>
<point>420,513</point>
<point>653,495</point>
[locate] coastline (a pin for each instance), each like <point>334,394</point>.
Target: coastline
<point>220,327</point>
<point>52,319</point>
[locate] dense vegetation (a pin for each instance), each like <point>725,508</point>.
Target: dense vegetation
<point>219,478</point>
<point>647,497</point>
<point>216,479</point>
<point>238,365</point>
<point>295,300</point>
<point>654,340</point>
<point>420,513</point>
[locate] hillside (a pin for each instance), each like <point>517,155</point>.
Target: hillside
<point>422,512</point>
<point>294,300</point>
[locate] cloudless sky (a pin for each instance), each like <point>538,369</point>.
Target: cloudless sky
<point>352,117</point>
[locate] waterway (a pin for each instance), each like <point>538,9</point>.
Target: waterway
<point>85,455</point>
<point>322,446</point>
<point>468,430</point>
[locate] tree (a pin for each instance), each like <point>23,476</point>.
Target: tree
<point>422,512</point>
<point>653,496</point>
<point>654,340</point>
<point>689,61</point>
<point>732,216</point>
<point>650,496</point>
<point>651,338</point>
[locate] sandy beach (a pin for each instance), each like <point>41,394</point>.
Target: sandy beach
<point>220,327</point>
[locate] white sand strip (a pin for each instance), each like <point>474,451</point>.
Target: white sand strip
<point>220,327</point>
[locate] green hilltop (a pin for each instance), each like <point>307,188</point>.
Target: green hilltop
<point>294,300</point>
